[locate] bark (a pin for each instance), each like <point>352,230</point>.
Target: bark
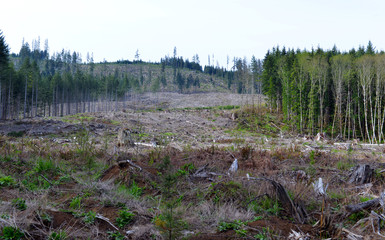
<point>354,208</point>
<point>25,98</point>
<point>361,174</point>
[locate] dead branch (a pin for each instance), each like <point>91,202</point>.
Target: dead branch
<point>46,179</point>
<point>353,208</point>
<point>352,235</point>
<point>379,218</point>
<point>200,169</point>
<point>120,163</point>
<point>295,209</point>
<point>107,221</point>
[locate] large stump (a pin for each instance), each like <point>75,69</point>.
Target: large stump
<point>361,174</point>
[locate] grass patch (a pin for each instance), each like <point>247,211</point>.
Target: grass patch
<point>125,217</point>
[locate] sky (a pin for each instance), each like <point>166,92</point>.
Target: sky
<point>116,29</point>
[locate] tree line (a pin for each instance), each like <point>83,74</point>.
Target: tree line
<point>338,92</point>
<point>33,83</point>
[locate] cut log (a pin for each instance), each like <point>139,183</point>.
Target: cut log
<point>354,208</point>
<point>361,174</point>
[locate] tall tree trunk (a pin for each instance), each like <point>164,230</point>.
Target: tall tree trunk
<point>62,103</point>
<point>25,97</point>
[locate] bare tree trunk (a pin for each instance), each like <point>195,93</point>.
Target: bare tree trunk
<point>25,97</point>
<point>36,96</point>
<point>62,103</point>
<point>32,105</point>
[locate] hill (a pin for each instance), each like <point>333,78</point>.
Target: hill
<point>62,84</point>
<point>149,76</point>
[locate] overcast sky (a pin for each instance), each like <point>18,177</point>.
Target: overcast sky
<point>115,29</point>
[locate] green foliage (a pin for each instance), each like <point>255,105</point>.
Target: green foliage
<point>165,164</point>
<point>89,217</point>
<point>116,235</point>
<point>264,235</point>
<point>228,107</point>
<point>85,148</point>
<point>11,233</point>
<point>125,217</point>
<point>225,192</point>
<point>336,195</point>
<point>45,166</point>
<point>33,181</point>
<point>312,157</point>
<point>61,235</point>
<point>266,205</point>
<point>16,134</point>
<point>365,199</point>
<point>19,203</point>
<point>134,190</point>
<point>76,202</point>
<point>356,216</point>
<point>237,226</point>
<point>344,165</point>
<point>7,181</point>
<point>6,158</point>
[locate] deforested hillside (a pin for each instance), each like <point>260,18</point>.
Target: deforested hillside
<point>40,84</point>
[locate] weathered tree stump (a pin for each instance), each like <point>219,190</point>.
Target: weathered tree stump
<point>361,174</point>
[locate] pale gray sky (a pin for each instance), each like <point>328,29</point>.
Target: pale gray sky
<point>115,29</point>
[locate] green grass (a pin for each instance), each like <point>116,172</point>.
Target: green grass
<point>125,217</point>
<point>44,165</point>
<point>19,204</point>
<point>7,181</point>
<point>134,190</point>
<point>266,205</point>
<point>76,202</point>
<point>60,235</point>
<point>89,217</point>
<point>11,233</point>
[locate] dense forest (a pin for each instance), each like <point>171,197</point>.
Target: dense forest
<point>338,92</point>
<point>33,83</point>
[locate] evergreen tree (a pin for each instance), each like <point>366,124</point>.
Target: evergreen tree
<point>370,49</point>
<point>4,51</point>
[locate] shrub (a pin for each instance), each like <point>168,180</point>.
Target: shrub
<point>19,203</point>
<point>6,181</point>
<point>61,235</point>
<point>115,235</point>
<point>89,217</point>
<point>45,165</point>
<point>76,203</point>
<point>125,217</point>
<point>11,233</point>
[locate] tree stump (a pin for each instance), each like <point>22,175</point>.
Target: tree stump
<point>361,174</point>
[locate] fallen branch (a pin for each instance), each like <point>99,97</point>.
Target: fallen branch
<point>353,208</point>
<point>200,169</point>
<point>352,235</point>
<point>131,163</point>
<point>379,218</point>
<point>296,210</point>
<point>145,144</point>
<point>46,179</point>
<point>193,123</point>
<point>107,221</point>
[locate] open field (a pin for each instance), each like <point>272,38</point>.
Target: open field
<point>159,169</point>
